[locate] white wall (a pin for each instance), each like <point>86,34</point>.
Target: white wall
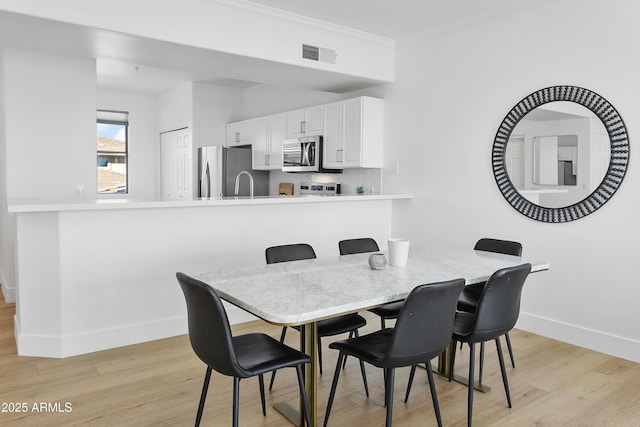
<point>50,124</point>
<point>451,93</point>
<point>262,100</point>
<point>214,107</point>
<point>47,137</point>
<point>7,221</point>
<point>144,141</point>
<point>175,108</point>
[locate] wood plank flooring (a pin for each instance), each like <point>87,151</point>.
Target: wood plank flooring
<point>158,383</point>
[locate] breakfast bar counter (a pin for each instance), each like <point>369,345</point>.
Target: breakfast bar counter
<point>31,205</point>
<point>92,275</point>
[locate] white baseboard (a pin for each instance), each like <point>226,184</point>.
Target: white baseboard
<point>72,345</point>
<point>8,292</point>
<point>622,347</point>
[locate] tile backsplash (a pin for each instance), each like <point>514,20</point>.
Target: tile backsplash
<point>349,180</point>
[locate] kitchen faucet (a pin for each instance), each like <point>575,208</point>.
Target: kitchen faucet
<point>250,182</point>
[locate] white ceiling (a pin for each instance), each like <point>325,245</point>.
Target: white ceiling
<point>394,19</point>
<point>138,65</point>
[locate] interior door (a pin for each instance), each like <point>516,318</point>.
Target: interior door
<point>176,165</point>
<point>515,161</point>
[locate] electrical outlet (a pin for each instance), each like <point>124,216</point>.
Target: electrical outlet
<point>80,190</point>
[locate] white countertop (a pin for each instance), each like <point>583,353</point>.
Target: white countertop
<point>543,191</point>
<point>291,293</point>
<point>43,205</point>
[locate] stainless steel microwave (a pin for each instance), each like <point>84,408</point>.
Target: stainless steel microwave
<point>304,155</point>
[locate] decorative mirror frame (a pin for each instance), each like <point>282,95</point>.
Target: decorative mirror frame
<point>617,165</point>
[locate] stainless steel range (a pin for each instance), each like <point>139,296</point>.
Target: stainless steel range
<point>320,189</point>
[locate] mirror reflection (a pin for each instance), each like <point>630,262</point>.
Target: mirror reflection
<point>558,154</point>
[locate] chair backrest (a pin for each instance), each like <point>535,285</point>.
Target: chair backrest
<point>357,246</point>
<point>209,330</point>
<point>499,246</point>
<point>285,253</point>
<point>499,304</point>
<point>425,324</point>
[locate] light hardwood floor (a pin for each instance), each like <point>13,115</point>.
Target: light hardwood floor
<point>158,383</point>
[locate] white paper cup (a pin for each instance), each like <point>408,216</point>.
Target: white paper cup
<point>398,252</point>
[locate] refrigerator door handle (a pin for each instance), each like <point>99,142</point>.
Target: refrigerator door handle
<point>206,181</point>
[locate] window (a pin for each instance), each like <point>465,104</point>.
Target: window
<point>112,141</point>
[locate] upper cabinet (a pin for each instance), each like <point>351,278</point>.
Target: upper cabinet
<point>240,133</point>
<point>353,133</point>
<point>269,132</point>
<point>305,122</point>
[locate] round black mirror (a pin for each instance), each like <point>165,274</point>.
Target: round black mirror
<point>560,154</point>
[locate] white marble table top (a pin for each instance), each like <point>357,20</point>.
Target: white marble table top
<point>298,292</point>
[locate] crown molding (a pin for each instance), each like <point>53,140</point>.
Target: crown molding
<point>302,20</point>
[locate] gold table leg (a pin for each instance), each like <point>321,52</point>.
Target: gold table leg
<point>444,367</point>
<point>309,346</point>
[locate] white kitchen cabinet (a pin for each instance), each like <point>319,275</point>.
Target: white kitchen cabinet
<point>353,133</point>
<point>176,164</point>
<point>332,135</point>
<point>305,122</point>
<point>240,133</point>
<point>269,132</point>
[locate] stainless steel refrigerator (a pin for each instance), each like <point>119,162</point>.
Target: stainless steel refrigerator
<point>218,168</point>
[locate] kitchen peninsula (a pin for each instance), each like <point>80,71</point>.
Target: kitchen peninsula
<point>98,274</point>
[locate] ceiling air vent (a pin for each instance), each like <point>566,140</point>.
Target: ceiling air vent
<point>321,54</point>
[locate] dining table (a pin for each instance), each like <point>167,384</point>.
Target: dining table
<point>301,293</point>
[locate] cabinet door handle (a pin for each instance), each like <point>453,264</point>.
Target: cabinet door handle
<point>303,127</point>
<point>237,136</point>
<point>267,159</point>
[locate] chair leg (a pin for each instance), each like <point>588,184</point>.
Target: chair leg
<point>344,364</point>
<point>452,360</point>
<point>434,395</point>
<point>364,378</point>
<point>386,386</point>
<point>362,369</point>
<point>504,371</point>
<point>273,374</point>
<point>472,357</point>
<point>411,375</point>
<point>203,395</point>
<point>334,384</point>
<point>303,393</point>
<point>513,362</point>
<point>261,382</point>
<point>481,363</point>
<point>236,400</point>
<point>390,373</point>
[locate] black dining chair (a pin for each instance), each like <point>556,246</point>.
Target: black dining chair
<point>471,293</point>
<point>422,331</point>
<point>496,314</point>
<point>240,356</point>
<point>328,327</point>
<point>363,245</point>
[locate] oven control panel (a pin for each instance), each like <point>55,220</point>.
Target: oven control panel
<point>320,189</point>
